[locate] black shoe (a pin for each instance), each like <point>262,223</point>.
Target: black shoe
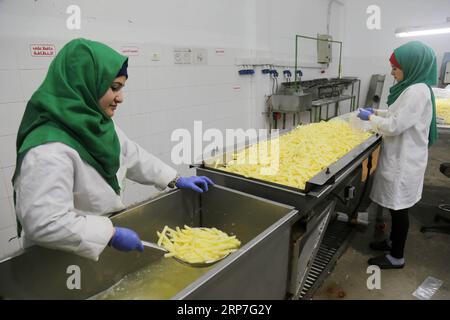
<point>384,263</point>
<point>380,246</point>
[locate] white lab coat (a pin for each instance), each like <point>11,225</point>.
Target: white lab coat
<point>63,202</point>
<point>398,180</point>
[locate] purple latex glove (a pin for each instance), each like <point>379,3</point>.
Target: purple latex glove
<point>370,109</point>
<point>126,240</point>
<point>195,183</point>
<point>364,114</point>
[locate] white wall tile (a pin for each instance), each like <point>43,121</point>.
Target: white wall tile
<point>124,109</point>
<point>10,117</point>
<point>227,58</point>
<point>150,144</point>
<point>2,251</point>
<point>8,150</point>
<point>31,80</point>
<point>138,125</point>
<point>184,75</point>
<point>9,244</point>
<point>6,214</point>
<point>159,120</point>
<point>140,102</point>
<point>10,86</point>
<point>160,99</point>
<point>8,56</point>
<point>137,78</point>
<point>3,190</point>
<point>147,129</point>
<point>166,143</point>
<point>165,157</point>
<point>159,144</point>
<point>7,176</point>
<point>124,123</point>
<point>162,77</point>
<point>144,142</point>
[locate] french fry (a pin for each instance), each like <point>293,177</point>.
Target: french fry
<point>196,245</point>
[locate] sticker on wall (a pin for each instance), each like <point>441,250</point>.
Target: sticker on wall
<point>182,55</point>
<point>237,88</point>
<point>129,51</point>
<point>42,50</point>
<point>220,51</point>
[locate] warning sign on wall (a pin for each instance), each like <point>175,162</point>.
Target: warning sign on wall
<point>130,51</point>
<point>220,51</point>
<point>42,50</point>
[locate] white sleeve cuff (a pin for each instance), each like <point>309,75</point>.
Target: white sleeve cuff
<point>95,237</point>
<point>381,113</point>
<point>375,121</point>
<point>166,175</point>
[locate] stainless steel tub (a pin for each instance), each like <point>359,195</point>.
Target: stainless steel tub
<point>258,270</point>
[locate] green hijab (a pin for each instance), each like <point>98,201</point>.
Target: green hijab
<point>418,63</point>
<point>65,108</point>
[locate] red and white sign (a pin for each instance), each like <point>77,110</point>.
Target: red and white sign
<point>42,50</point>
<point>130,51</point>
<point>220,51</point>
<point>236,88</point>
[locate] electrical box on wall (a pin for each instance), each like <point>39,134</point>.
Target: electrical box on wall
<point>323,48</point>
<point>200,56</point>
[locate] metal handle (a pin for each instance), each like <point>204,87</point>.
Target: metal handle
<point>153,245</point>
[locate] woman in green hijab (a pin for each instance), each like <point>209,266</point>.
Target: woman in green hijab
<point>72,160</point>
<point>408,127</point>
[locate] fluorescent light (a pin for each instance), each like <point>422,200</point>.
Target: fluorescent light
<point>418,31</point>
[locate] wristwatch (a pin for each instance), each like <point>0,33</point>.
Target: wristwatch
<point>172,184</point>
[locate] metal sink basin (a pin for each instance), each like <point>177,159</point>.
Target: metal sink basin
<point>258,270</point>
<point>291,103</point>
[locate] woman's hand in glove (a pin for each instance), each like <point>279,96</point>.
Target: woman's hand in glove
<point>126,240</point>
<point>195,183</point>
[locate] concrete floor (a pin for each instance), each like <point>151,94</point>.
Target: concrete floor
<point>426,254</point>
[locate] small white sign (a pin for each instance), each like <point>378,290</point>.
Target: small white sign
<point>182,55</point>
<point>42,50</point>
<point>237,88</point>
<point>130,51</point>
<point>156,56</point>
<point>220,51</point>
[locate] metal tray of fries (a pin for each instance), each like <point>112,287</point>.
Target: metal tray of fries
<point>325,177</point>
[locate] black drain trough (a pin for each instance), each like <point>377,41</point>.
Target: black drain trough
<point>334,243</point>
